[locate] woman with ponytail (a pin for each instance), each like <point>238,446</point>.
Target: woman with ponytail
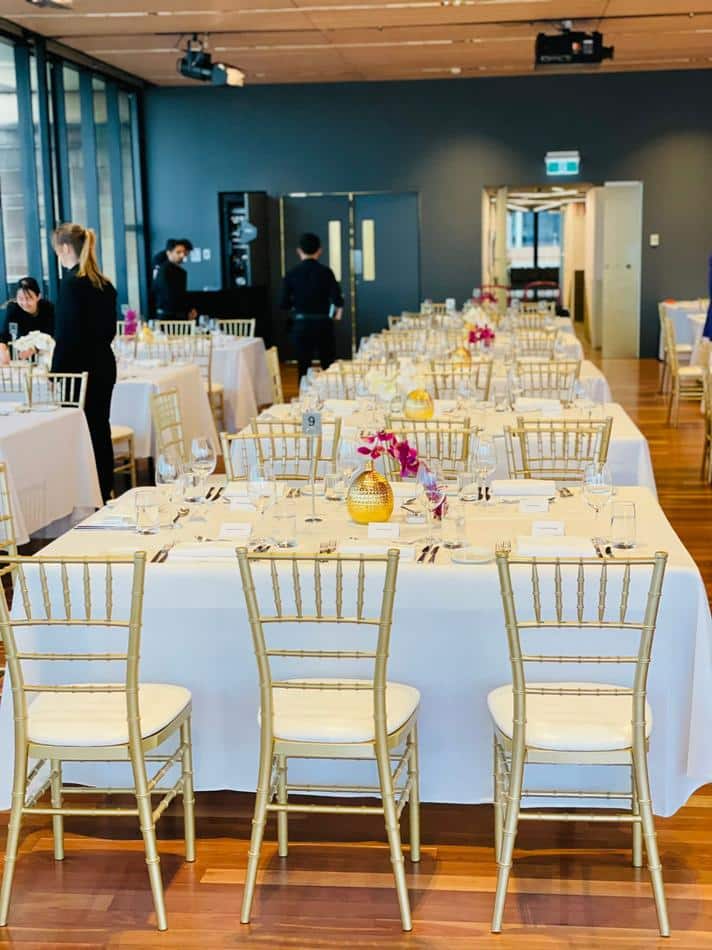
<point>85,325</point>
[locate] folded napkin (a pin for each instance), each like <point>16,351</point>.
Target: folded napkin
<point>189,551</point>
<point>523,487</point>
<point>376,548</point>
<point>549,407</point>
<point>110,519</point>
<point>551,546</point>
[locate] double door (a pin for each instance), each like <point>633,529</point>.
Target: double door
<point>371,242</point>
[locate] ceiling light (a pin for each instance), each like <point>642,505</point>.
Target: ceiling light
<point>197,63</point>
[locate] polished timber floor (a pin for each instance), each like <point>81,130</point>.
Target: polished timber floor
<point>572,886</point>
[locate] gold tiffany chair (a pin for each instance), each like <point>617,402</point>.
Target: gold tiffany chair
<point>8,537</point>
<point>442,441</point>
<point>16,379</point>
<point>589,611</point>
<point>555,448</point>
<point>59,389</point>
<point>168,423</point>
<point>538,343</point>
<point>62,605</point>
<point>176,327</point>
<point>448,378</point>
<point>237,327</point>
<point>548,379</point>
<point>329,603</point>
<point>683,351</point>
<point>707,444</point>
<point>202,355</point>
<point>686,382</point>
<point>275,374</point>
<point>282,442</point>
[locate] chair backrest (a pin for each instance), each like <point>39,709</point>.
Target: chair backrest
<point>8,537</point>
<point>237,327</point>
<point>176,327</point>
<point>531,320</point>
<point>534,343</point>
<point>168,423</point>
<point>291,455</point>
<point>548,379</point>
<point>16,378</point>
<point>275,374</point>
<point>439,308</point>
<point>294,454</point>
<point>59,389</point>
<point>448,379</point>
<point>394,320</point>
<point>120,328</point>
<point>55,599</point>
<point>671,346</point>
<point>555,448</point>
<point>586,612</point>
<point>199,351</point>
<point>443,441</point>
<point>351,594</point>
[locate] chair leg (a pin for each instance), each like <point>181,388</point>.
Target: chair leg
<point>56,797</point>
<point>498,817</point>
<point>132,461</point>
<point>282,818</point>
<point>394,839</point>
<point>663,376</point>
<point>414,796</point>
<point>258,828</point>
<point>188,793</point>
<point>640,766</point>
<point>13,834</point>
<point>148,830</point>
<point>637,827</point>
<point>509,833</point>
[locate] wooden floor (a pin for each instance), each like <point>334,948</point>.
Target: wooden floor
<point>571,887</point>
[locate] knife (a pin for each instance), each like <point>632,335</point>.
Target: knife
<point>423,554</point>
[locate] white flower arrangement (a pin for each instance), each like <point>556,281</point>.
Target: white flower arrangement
<point>380,385</point>
<point>42,343</point>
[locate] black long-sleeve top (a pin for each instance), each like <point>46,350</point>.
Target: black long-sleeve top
<point>85,325</point>
<point>169,289</point>
<point>43,320</point>
<point>310,287</point>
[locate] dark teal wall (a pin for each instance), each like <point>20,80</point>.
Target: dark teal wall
<point>446,140</point>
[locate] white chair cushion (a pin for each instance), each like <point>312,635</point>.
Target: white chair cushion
<point>570,723</point>
<point>691,372</point>
<point>214,387</point>
<point>683,347</point>
<point>330,715</point>
<point>97,719</point>
<point>119,433</point>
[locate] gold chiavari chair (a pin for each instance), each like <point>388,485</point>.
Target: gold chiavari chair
<point>168,423</point>
<point>707,444</point>
<point>531,320</point>
<point>120,328</point>
<point>237,327</point>
<point>294,454</point>
<point>125,347</point>
<point>439,309</point>
<point>686,382</point>
<point>439,441</point>
<point>201,353</point>
<point>588,611</point>
<point>275,374</point>
<point>161,350</point>
<point>683,351</point>
<point>8,536</point>
<point>59,389</point>
<point>448,379</point>
<point>122,442</point>
<point>538,343</point>
<point>334,600</point>
<point>77,718</point>
<point>15,379</point>
<point>351,374</point>
<point>555,448</point>
<point>394,321</point>
<point>176,327</point>
<point>546,307</point>
<point>548,379</point>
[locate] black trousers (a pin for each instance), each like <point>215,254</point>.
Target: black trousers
<point>100,386</point>
<point>313,336</point>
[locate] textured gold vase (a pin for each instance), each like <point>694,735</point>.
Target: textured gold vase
<point>370,497</point>
<point>418,405</point>
<point>461,355</point>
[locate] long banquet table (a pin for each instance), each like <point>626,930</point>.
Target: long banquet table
<point>240,364</point>
<point>448,641</point>
<point>51,468</point>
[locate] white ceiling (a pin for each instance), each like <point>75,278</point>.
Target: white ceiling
<point>277,41</point>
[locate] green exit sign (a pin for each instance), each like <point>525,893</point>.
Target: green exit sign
<point>562,163</point>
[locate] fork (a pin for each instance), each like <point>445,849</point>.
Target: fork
<point>423,553</point>
<point>503,547</point>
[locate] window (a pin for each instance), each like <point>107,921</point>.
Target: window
<point>130,221</point>
<point>103,169</point>
<point>520,238</point>
<point>12,233</point>
<point>73,120</point>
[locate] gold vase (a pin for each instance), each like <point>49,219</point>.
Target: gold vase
<point>418,405</point>
<point>370,497</point>
<point>461,356</point>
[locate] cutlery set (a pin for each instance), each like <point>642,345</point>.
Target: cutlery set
<point>429,552</point>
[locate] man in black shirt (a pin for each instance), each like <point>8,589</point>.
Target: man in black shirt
<point>170,281</point>
<point>311,290</point>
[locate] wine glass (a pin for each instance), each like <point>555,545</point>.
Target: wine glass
<point>484,459</point>
<point>348,462</point>
<point>597,486</point>
<point>168,470</point>
<point>262,492</point>
<point>431,491</point>
<point>202,458</point>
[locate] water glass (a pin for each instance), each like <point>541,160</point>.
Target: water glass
<point>454,524</point>
<point>467,486</point>
<point>148,511</point>
<point>334,486</point>
<point>597,485</point>
<point>284,518</point>
<point>623,532</point>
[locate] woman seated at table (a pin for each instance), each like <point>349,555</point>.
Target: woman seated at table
<point>27,312</point>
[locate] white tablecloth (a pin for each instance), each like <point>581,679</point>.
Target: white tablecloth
<point>448,641</point>
<point>678,311</point>
<point>131,403</point>
<point>241,366</point>
<point>51,469</point>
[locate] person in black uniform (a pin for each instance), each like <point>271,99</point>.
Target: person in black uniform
<point>170,281</point>
<point>27,312</point>
<point>85,325</point>
<point>311,290</point>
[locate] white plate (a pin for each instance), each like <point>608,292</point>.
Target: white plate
<point>472,555</point>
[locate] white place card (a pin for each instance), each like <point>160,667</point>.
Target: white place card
<point>385,529</point>
<point>235,531</point>
<point>241,503</point>
<point>542,529</point>
<point>532,505</point>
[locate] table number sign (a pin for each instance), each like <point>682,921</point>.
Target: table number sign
<point>311,423</point>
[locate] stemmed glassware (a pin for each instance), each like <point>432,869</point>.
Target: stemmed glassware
<point>168,471</point>
<point>348,462</point>
<point>597,488</point>
<point>484,462</point>
<point>262,492</point>
<point>432,493</point>
<point>199,468</point>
